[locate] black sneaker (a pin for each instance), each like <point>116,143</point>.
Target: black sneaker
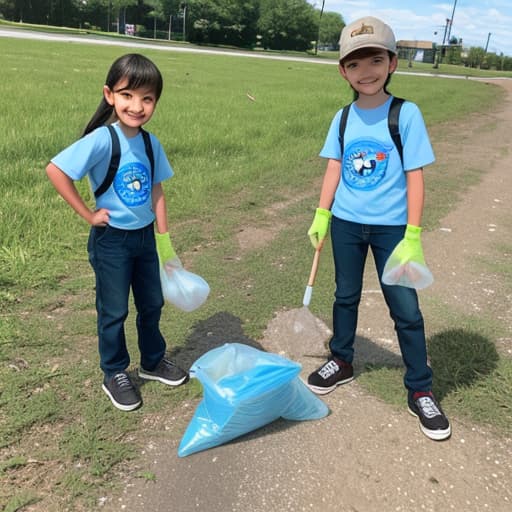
<point>167,372</point>
<point>121,391</point>
<point>433,422</point>
<point>331,374</point>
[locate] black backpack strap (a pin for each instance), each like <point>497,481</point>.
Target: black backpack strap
<point>393,125</point>
<point>343,126</point>
<point>114,163</point>
<point>149,152</point>
<point>116,156</point>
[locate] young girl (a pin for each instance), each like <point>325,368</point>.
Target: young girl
<point>121,246</point>
<point>375,201</point>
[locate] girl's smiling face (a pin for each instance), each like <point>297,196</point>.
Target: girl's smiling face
<point>367,72</point>
<point>133,107</point>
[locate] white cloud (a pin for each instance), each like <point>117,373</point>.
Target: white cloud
<point>473,19</point>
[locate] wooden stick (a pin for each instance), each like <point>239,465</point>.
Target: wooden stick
<point>314,267</point>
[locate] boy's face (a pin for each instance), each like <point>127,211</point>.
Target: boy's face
<point>367,71</point>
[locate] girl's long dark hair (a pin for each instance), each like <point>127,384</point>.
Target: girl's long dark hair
<point>139,71</point>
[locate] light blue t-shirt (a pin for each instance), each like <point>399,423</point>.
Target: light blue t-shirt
<point>128,198</point>
<point>372,187</point>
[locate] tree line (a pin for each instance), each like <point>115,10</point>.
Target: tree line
<point>270,24</point>
<point>273,24</point>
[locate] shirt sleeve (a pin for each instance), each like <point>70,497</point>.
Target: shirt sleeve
<point>417,149</point>
<point>163,169</point>
<point>331,148</point>
<point>84,154</point>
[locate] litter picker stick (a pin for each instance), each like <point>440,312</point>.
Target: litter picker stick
<point>309,288</point>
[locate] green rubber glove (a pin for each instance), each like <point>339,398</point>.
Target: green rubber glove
<point>406,265</point>
<point>318,230</point>
<point>164,247</point>
<point>410,249</point>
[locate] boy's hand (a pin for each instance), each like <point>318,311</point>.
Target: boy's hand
<point>164,247</point>
<point>406,265</point>
<point>410,249</point>
<point>318,230</point>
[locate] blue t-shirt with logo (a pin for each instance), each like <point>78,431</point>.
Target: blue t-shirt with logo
<point>128,198</point>
<point>372,187</point>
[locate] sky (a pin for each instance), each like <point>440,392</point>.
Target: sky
<point>425,20</point>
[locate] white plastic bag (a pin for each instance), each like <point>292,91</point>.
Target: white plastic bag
<point>244,389</point>
<point>183,289</point>
<point>411,274</point>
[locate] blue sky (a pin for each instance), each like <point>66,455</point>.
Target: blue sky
<point>472,20</point>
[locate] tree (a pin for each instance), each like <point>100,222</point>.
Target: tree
<point>287,24</point>
<point>119,12</point>
<point>54,12</point>
<point>330,29</point>
<point>230,22</point>
<point>475,56</point>
<point>157,12</point>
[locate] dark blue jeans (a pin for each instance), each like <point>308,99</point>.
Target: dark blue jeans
<point>124,259</point>
<point>350,242</point>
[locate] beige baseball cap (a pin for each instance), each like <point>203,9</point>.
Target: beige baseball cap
<point>368,32</point>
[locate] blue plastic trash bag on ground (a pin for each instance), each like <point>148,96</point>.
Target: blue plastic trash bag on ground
<point>244,389</point>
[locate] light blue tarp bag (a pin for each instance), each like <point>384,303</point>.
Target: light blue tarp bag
<point>244,389</point>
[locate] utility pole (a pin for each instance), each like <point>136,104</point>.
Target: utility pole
<point>319,23</point>
<point>451,21</point>
<point>438,58</point>
<point>184,33</point>
<point>445,30</point>
<point>487,44</point>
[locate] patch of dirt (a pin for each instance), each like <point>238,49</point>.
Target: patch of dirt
<point>254,237</point>
<point>366,455</point>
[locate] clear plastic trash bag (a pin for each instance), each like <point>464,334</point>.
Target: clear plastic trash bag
<point>411,274</point>
<point>183,289</point>
<point>244,389</point>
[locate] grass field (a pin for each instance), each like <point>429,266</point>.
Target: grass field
<point>243,136</point>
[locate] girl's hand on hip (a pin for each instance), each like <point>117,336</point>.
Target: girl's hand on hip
<point>100,218</point>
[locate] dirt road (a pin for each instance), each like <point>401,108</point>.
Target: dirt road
<point>366,456</point>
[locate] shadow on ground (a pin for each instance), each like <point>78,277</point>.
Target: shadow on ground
<point>459,358</point>
<point>215,331</point>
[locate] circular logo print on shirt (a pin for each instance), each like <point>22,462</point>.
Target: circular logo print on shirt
<point>364,163</point>
<point>132,184</point>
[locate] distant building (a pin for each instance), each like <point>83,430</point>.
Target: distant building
<point>419,51</point>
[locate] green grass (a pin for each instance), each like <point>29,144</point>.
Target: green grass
<point>234,158</point>
<point>452,69</point>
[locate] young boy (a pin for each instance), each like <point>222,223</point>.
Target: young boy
<point>374,199</point>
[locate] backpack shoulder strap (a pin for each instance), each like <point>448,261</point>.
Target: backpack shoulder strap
<point>116,156</point>
<point>113,165</point>
<point>149,151</point>
<point>343,126</point>
<point>393,125</point>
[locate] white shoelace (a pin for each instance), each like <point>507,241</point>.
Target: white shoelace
<point>122,380</point>
<point>428,406</point>
<point>328,369</point>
